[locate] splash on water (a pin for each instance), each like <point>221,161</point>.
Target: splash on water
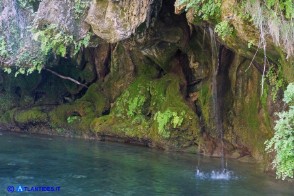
<point>222,175</point>
<point>215,175</point>
<point>199,174</point>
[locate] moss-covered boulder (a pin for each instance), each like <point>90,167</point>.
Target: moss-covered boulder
<point>79,114</point>
<point>152,110</point>
<point>31,116</point>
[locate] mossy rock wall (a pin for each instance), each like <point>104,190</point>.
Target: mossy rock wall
<point>159,87</point>
<point>250,121</point>
<point>152,110</point>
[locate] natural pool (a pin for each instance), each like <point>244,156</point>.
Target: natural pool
<point>82,167</point>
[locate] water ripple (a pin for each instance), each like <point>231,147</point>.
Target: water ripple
<point>24,178</point>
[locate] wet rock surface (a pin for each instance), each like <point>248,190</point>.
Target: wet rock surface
<point>149,80</point>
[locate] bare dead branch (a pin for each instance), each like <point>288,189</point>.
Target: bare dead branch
<point>66,78</point>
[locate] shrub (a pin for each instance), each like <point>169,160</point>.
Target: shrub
<point>224,29</point>
<point>283,141</point>
<point>204,9</point>
<point>56,40</point>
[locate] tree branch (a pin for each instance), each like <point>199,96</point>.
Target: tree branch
<point>66,78</point>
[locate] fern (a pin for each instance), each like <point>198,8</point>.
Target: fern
<point>162,120</point>
<point>224,29</point>
<point>204,9</point>
<point>167,117</point>
<point>135,105</point>
<point>283,141</point>
<point>54,39</point>
<point>7,70</point>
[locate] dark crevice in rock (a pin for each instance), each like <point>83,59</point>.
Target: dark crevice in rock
<point>226,57</point>
<point>200,116</point>
<point>190,79</point>
<point>107,63</point>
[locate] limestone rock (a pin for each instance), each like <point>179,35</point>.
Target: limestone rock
<point>15,37</point>
<point>65,15</point>
<point>117,20</point>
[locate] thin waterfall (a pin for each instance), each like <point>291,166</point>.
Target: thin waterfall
<point>224,173</point>
<point>216,107</point>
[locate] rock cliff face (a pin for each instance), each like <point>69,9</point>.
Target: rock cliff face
<point>154,77</point>
<point>68,15</point>
<point>114,21</point>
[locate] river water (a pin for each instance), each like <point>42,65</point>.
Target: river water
<point>29,163</point>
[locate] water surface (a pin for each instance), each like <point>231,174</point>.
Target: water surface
<point>82,167</point>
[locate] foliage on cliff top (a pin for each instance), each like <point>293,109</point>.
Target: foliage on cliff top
<point>274,18</point>
<point>204,9</point>
<point>32,30</point>
<point>210,11</point>
<point>56,40</point>
<point>271,17</point>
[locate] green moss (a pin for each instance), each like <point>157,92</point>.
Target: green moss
<point>134,101</point>
<point>7,117</point>
<point>263,100</point>
<point>162,53</point>
<point>205,102</point>
<point>88,74</point>
<point>79,114</point>
<point>7,101</point>
<point>166,96</point>
<point>111,125</point>
<point>250,112</point>
<point>95,96</point>
<point>287,67</point>
<point>139,110</point>
<point>59,116</point>
<point>144,66</point>
<point>72,119</point>
<point>34,115</point>
<point>224,29</point>
<point>167,117</point>
<point>252,121</point>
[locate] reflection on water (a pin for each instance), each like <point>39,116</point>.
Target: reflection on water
<point>95,168</point>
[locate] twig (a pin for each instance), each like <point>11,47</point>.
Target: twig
<point>253,56</point>
<point>264,66</point>
<point>66,78</point>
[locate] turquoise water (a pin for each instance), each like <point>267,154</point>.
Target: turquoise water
<point>81,167</point>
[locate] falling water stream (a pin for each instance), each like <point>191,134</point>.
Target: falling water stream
<point>223,173</point>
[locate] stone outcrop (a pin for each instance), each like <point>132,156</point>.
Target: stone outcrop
<point>114,21</point>
<point>15,37</point>
<point>67,15</point>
